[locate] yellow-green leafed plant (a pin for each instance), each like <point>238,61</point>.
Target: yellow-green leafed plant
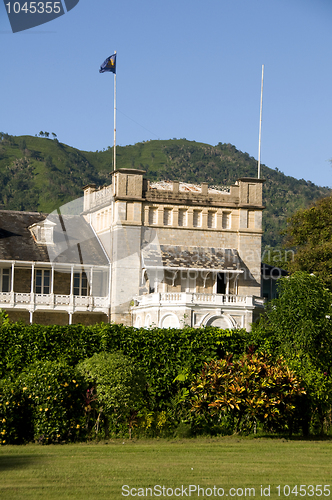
<point>252,390</point>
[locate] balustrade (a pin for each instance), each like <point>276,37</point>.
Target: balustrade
<point>5,297</point>
<point>101,196</point>
<point>196,298</point>
<point>17,299</point>
<point>22,298</point>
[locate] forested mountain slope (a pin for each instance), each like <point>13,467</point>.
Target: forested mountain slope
<point>41,174</point>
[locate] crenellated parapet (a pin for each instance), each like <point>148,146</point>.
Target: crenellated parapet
<point>129,184</point>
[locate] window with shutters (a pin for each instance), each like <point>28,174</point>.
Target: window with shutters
<point>226,220</point>
<point>153,215</point>
<point>167,216</point>
<point>183,215</point>
<point>197,218</point>
<point>212,217</point>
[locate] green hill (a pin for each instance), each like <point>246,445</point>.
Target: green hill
<point>41,174</point>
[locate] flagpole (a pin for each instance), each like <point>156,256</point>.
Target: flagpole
<point>114,148</point>
<point>260,127</point>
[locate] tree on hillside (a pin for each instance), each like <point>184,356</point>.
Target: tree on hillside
<point>277,256</point>
<point>49,163</point>
<point>22,144</point>
<point>309,232</point>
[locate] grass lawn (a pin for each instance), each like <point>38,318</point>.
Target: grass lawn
<point>98,471</point>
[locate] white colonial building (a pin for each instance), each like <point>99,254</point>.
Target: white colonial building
<point>165,254</point>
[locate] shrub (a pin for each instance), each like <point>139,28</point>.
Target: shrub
<point>298,327</point>
<point>118,386</point>
<point>236,395</point>
<point>56,395</point>
<point>15,414</point>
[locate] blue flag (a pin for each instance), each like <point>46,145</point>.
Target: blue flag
<point>109,65</point>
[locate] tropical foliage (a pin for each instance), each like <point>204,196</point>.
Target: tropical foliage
<point>72,383</point>
<point>298,326</point>
<point>163,355</point>
<point>254,389</point>
<point>309,232</point>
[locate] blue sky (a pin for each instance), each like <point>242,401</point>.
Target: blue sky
<point>185,69</point>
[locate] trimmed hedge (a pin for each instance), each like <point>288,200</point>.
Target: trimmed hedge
<point>162,354</point>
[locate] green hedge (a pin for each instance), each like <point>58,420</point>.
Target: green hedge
<point>162,354</point>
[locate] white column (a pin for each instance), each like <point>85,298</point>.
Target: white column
<point>52,286</point>
<point>109,292</point>
<point>71,297</point>
<point>12,279</point>
<point>91,280</point>
<point>52,280</point>
<point>32,278</point>
<point>32,295</point>
<point>91,283</point>
<point>71,280</point>
<point>32,282</point>
<point>12,295</point>
<point>70,318</point>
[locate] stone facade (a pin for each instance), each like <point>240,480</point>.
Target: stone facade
<point>167,254</point>
<point>131,215</point>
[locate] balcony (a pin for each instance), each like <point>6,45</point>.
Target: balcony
<point>36,301</point>
<point>176,309</point>
<point>185,298</point>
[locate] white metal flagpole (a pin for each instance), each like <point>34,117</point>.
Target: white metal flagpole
<point>114,160</point>
<point>260,127</point>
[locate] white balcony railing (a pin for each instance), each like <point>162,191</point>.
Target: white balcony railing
<point>5,297</point>
<point>182,298</point>
<point>62,300</point>
<point>51,301</point>
<point>22,298</point>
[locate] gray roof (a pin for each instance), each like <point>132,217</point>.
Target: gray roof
<point>187,257</point>
<point>74,240</point>
<point>16,241</point>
